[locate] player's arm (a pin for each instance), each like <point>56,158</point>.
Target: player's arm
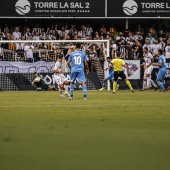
<point>159,64</point>
<point>32,83</point>
<point>69,63</point>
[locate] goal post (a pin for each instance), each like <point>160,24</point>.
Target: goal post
<point>44,49</point>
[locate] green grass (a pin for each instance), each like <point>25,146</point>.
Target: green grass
<point>122,131</point>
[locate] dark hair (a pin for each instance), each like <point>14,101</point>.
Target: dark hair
<point>160,51</point>
<point>60,56</point>
<point>108,58</point>
<point>118,54</point>
<point>146,48</point>
<point>78,45</point>
<point>34,73</point>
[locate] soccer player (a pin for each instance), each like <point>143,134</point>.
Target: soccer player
<point>162,69</point>
<point>39,83</point>
<point>148,60</point>
<point>118,63</point>
<point>59,77</point>
<point>77,60</point>
<point>110,76</point>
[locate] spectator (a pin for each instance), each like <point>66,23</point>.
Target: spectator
<point>28,55</point>
<point>150,38</point>
<point>139,52</point>
<point>167,50</point>
<point>16,34</point>
<point>155,47</point>
<point>27,34</point>
<point>1,53</point>
<point>37,30</point>
<point>161,34</point>
<point>19,53</point>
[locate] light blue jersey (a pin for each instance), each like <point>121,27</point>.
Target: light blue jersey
<point>162,60</point>
<point>77,60</point>
<point>110,68</point>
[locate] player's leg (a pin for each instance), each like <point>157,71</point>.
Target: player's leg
<point>144,81</point>
<point>82,79</point>
<point>65,83</point>
<point>154,85</point>
<point>148,75</point>
<point>58,81</point>
<point>148,81</point>
<point>103,85</point>
<point>160,76</point>
<point>122,75</point>
<point>73,78</point>
<point>116,76</point>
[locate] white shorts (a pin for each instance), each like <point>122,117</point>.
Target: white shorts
<point>60,79</point>
<point>148,70</point>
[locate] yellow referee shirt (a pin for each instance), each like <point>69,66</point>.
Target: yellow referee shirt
<point>117,64</point>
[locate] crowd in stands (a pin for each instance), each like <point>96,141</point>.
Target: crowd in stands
<point>129,43</point>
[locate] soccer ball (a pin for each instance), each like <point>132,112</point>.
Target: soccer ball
<point>37,79</point>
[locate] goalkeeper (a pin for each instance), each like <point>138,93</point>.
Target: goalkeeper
<point>40,83</point>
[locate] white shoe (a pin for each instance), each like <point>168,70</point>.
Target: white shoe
<point>70,98</point>
<point>62,96</point>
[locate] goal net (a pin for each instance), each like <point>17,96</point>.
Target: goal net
<point>26,57</point>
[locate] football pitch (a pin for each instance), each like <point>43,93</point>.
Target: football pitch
<point>122,131</point>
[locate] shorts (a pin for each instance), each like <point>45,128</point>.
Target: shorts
<point>148,70</point>
<point>161,74</point>
<point>60,79</point>
<point>80,75</point>
<point>110,76</point>
<point>120,74</point>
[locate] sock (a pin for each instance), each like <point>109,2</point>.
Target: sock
<point>144,84</point>
<point>104,84</point>
<point>129,84</point>
<point>153,83</point>
<point>161,85</point>
<point>148,82</point>
<point>84,90</point>
<point>114,86</point>
<point>60,91</point>
<point>66,88</point>
<point>71,90</point>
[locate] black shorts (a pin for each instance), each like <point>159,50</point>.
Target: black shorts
<point>120,74</point>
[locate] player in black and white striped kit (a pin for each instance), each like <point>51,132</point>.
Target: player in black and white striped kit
<point>59,77</point>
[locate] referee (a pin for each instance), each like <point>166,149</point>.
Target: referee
<point>118,63</point>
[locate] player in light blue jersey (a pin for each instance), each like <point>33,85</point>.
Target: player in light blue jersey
<point>77,60</point>
<point>162,70</point>
<point>110,76</point>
